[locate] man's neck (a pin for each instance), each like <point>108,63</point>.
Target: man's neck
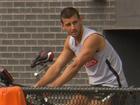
<point>79,37</point>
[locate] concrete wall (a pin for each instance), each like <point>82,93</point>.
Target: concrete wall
<point>128,13</point>
<point>124,35</point>
<point>28,26</point>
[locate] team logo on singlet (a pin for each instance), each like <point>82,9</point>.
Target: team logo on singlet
<point>91,63</point>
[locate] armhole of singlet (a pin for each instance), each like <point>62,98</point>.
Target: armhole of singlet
<point>91,34</point>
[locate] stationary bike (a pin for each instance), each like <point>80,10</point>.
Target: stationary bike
<point>6,79</point>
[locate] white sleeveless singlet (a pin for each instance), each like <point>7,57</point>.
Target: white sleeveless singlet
<point>97,69</point>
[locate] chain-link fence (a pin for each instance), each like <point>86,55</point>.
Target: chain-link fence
<point>82,96</point>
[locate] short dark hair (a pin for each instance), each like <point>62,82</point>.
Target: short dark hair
<point>69,12</point>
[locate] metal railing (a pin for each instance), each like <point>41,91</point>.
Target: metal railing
<point>85,95</point>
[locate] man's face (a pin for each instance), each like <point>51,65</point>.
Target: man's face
<point>72,25</point>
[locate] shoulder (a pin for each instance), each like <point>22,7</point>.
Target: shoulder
<point>88,30</point>
<point>94,37</point>
<point>95,40</point>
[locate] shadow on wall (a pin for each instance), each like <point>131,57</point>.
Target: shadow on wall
<point>127,44</point>
<point>100,1</point>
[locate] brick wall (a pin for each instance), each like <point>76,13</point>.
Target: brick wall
<point>28,26</point>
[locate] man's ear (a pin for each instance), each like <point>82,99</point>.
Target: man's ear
<point>62,26</point>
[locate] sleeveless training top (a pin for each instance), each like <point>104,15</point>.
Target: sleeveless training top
<point>98,70</point>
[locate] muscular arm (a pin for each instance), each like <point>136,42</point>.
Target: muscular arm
<point>91,45</point>
<point>54,70</point>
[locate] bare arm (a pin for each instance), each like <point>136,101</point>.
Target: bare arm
<point>91,45</point>
<point>54,70</point>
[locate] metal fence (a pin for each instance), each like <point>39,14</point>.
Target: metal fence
<point>84,95</point>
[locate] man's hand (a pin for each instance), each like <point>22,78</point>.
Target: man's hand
<point>51,85</point>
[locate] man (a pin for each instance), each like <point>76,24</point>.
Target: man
<point>87,48</point>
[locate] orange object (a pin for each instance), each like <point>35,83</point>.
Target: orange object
<point>12,96</point>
